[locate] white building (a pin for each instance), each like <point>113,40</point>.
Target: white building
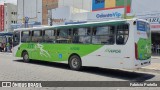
<point>10,17</point>
<point>80,4</point>
<point>31,9</point>
<point>36,10</point>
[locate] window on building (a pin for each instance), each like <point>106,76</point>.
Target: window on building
<point>49,36</point>
<point>103,35</point>
<point>122,34</point>
<point>6,22</point>
<point>11,12</point>
<point>37,36</point>
<point>12,21</point>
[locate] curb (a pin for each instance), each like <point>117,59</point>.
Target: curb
<point>6,53</point>
<point>155,58</point>
<point>149,70</point>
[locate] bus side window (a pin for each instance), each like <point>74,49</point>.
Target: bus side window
<point>75,36</point>
<point>64,36</point>
<point>37,36</point>
<point>82,35</point>
<point>25,37</point>
<point>49,36</point>
<point>103,35</point>
<point>122,34</point>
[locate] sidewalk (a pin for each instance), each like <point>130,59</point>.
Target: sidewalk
<point>155,65</point>
<point>5,53</point>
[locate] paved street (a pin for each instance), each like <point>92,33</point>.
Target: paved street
<point>14,69</point>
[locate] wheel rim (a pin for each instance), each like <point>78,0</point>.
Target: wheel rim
<point>75,63</point>
<point>25,57</point>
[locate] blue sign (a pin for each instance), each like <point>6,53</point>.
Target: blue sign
<point>141,26</point>
<point>60,55</point>
<point>98,4</point>
<point>26,19</point>
<point>105,15</point>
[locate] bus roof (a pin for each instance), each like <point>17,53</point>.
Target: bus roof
<point>110,22</point>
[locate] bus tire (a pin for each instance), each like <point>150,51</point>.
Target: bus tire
<point>75,62</point>
<point>26,57</point>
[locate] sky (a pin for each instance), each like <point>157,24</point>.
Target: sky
<point>9,1</point>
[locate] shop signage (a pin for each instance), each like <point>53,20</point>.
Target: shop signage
<point>61,15</point>
<point>114,14</point>
<point>58,20</point>
<point>154,20</point>
<point>106,15</point>
<point>98,5</point>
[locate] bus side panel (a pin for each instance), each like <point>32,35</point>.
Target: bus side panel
<point>56,52</point>
<point>113,56</point>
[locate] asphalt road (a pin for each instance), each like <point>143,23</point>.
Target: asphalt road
<point>14,69</point>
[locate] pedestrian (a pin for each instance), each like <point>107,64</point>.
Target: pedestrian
<point>0,47</point>
<point>7,47</point>
<point>4,47</point>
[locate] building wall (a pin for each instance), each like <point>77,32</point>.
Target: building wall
<point>1,18</point>
<point>81,4</point>
<point>35,10</point>
<point>31,9</point>
<point>47,5</point>
<point>10,16</point>
<point>140,6</point>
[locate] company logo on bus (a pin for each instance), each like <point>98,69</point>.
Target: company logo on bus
<point>112,51</point>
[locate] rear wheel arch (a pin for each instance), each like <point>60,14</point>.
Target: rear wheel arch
<point>73,55</point>
<point>23,52</point>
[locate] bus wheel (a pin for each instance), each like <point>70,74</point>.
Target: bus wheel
<point>26,57</point>
<point>75,63</point>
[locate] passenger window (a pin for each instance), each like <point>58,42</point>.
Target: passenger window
<point>64,36</point>
<point>37,36</point>
<point>103,35</point>
<point>122,34</point>
<point>49,36</point>
<point>82,35</point>
<point>25,36</point>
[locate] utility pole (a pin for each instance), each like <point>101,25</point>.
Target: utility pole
<point>49,14</point>
<point>50,17</point>
<point>125,8</point>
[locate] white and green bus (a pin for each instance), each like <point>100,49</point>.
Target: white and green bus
<point>117,44</point>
